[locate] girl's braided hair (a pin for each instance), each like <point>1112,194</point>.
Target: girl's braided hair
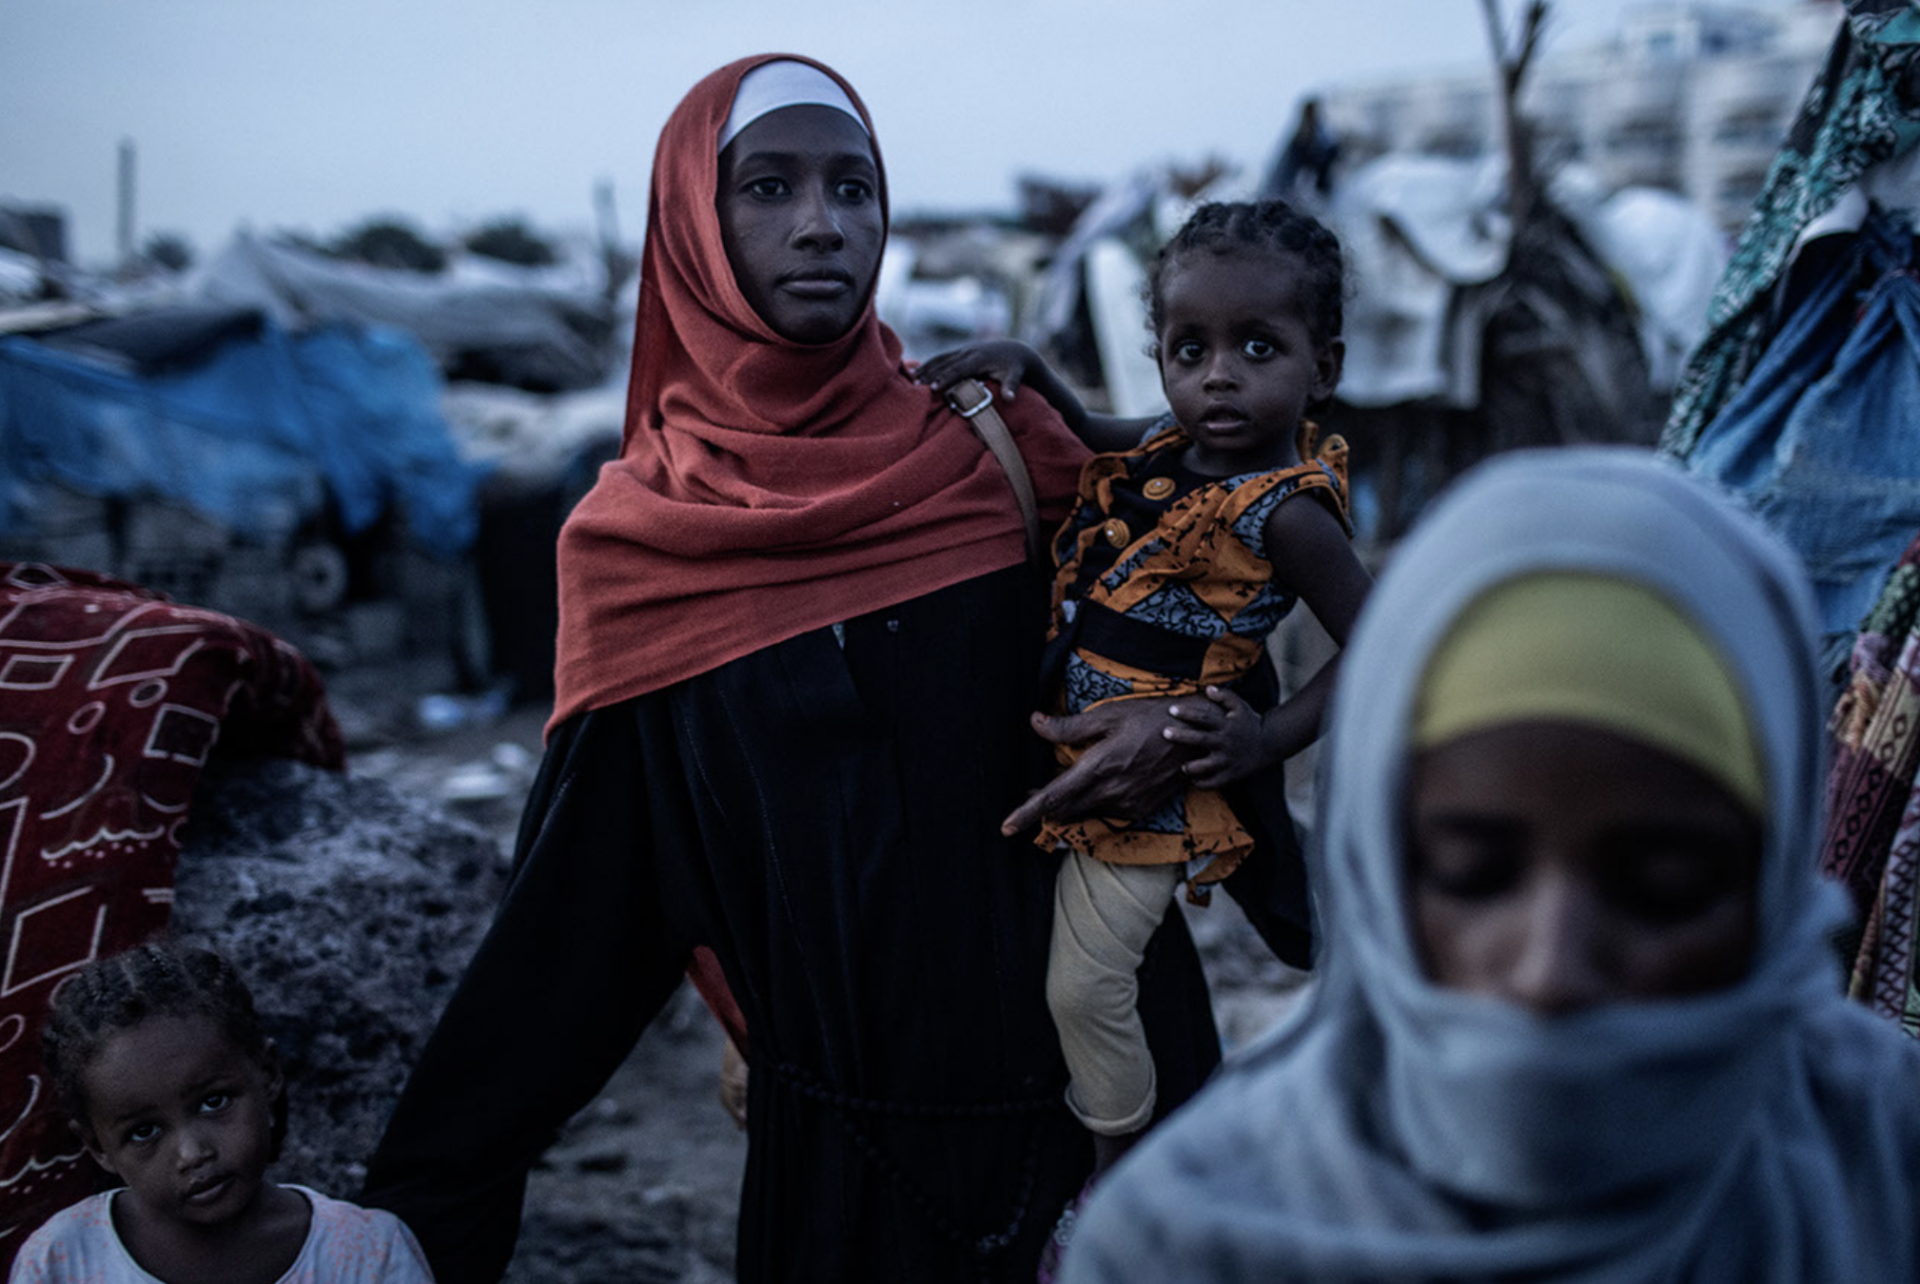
<point>1228,227</point>
<point>115,994</point>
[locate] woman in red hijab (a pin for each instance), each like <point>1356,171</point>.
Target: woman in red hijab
<point>798,646</point>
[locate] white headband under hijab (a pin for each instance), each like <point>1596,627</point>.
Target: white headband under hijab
<point>773,85</point>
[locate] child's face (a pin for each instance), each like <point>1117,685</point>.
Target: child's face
<point>1558,866</point>
<point>1237,359</point>
<point>182,1116</point>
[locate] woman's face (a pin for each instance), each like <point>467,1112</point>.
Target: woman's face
<point>1559,866</point>
<point>800,217</point>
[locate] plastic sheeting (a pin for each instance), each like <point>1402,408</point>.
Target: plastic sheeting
<point>526,335</point>
<point>1823,439</point>
<point>1420,230</point>
<point>259,437</point>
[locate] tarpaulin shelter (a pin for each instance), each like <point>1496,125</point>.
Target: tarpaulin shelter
<point>533,336</point>
<point>225,412</point>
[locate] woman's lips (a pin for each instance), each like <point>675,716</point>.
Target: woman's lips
<point>817,285</point>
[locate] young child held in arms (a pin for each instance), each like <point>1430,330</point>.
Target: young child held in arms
<point>174,1089</point>
<point>1180,557</point>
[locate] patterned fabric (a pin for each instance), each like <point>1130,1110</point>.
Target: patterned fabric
<point>1186,603</point>
<point>111,700</point>
<point>1872,839</point>
<point>345,1244</point>
<point>1852,118</point>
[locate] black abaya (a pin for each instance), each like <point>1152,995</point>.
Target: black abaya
<point>824,814</point>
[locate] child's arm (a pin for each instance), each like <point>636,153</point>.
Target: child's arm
<point>1009,363</point>
<point>1229,739</point>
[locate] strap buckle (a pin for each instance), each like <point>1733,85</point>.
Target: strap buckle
<point>968,412</point>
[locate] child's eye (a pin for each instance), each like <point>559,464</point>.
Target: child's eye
<point>1258,349</point>
<point>141,1134</point>
<point>1187,353</point>
<point>214,1102</point>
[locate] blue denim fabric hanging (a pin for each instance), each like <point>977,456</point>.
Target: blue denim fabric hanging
<point>1823,439</point>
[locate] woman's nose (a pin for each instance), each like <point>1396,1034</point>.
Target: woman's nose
<point>817,222</point>
<point>1556,966</point>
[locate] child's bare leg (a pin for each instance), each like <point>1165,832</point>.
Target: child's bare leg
<point>1107,1150</point>
<point>1104,915</point>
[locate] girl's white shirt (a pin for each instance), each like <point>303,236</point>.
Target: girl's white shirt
<point>345,1244</point>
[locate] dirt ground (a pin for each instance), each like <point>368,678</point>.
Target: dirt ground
<point>642,1185</point>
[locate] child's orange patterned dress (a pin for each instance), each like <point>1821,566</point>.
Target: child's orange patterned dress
<point>1164,588</point>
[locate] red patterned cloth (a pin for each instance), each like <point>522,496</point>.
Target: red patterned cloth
<point>112,698</point>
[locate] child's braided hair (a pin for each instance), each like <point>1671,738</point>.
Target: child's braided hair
<point>1228,227</point>
<point>115,994</point>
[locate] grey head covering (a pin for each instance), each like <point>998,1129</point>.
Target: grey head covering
<point>1397,1131</point>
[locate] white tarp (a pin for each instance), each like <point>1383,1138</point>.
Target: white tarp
<point>531,335</point>
<point>1419,229</point>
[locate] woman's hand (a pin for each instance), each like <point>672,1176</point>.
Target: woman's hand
<point>1128,765</point>
<point>1005,361</point>
<point>1228,739</point>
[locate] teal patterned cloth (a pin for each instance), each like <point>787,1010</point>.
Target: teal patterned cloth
<point>1853,117</point>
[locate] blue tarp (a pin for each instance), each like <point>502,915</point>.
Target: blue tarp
<point>259,437</point>
<point>1823,439</point>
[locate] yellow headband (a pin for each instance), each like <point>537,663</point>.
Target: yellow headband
<point>1594,650</point>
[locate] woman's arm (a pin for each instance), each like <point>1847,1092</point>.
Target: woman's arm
<point>1228,739</point>
<point>1010,363</point>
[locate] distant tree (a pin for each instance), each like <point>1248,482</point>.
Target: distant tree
<point>390,243</point>
<point>510,241</point>
<point>169,250</point>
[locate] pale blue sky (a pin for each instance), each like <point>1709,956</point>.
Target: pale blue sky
<point>311,114</point>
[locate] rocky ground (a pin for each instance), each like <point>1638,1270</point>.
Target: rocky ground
<point>353,907</point>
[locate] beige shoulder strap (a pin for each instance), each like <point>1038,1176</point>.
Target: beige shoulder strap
<point>973,401</point>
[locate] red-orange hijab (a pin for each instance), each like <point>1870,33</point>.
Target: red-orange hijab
<point>767,487</point>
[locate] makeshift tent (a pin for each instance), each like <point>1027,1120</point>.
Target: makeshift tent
<point>256,428</point>
<point>532,336</point>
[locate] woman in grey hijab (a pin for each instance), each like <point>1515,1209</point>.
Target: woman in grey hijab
<point>1577,1018</point>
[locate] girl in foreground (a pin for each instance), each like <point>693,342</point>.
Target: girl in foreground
<point>174,1089</point>
<point>1577,1018</point>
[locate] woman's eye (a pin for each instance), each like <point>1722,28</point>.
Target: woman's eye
<point>1465,867</point>
<point>1671,886</point>
<point>766,188</point>
<point>854,192</point>
<point>1258,349</point>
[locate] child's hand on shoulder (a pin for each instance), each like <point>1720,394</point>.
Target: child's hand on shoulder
<point>1006,362</point>
<point>1227,736</point>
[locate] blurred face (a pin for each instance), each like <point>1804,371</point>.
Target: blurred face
<point>183,1117</point>
<point>1237,359</point>
<point>800,217</point>
<point>1559,866</point>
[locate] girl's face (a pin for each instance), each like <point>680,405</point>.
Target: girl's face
<point>800,218</point>
<point>1237,359</point>
<point>1558,866</point>
<point>183,1117</point>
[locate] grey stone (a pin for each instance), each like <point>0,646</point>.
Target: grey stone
<point>351,910</point>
